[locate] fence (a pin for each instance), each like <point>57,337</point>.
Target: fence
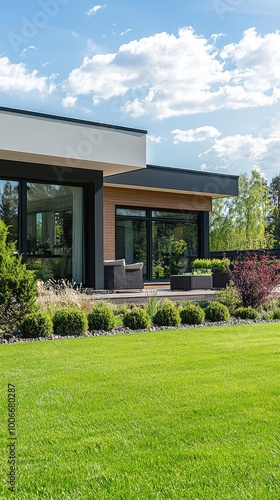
<point>232,254</point>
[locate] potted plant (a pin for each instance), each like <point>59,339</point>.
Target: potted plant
<point>200,278</point>
<point>201,266</point>
<point>220,269</point>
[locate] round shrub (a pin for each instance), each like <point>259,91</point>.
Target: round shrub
<point>246,313</point>
<point>101,318</point>
<point>69,322</point>
<point>36,324</point>
<point>192,315</point>
<point>137,319</point>
<point>167,315</point>
<point>217,312</point>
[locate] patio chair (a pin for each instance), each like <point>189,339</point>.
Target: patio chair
<point>121,276</point>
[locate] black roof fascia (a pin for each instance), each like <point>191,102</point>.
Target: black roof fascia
<point>178,179</point>
<point>71,120</point>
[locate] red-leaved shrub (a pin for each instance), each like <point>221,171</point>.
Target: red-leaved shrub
<point>255,277</point>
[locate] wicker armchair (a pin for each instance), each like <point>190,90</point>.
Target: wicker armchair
<point>119,276</point>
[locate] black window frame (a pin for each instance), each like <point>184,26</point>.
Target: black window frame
<point>150,219</point>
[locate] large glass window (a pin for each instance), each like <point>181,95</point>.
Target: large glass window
<point>131,242</point>
<point>165,240</point>
<point>174,245</point>
<point>9,207</point>
<point>54,230</point>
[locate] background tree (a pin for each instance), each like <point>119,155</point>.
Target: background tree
<point>274,215</point>
<point>9,208</point>
<point>241,223</point>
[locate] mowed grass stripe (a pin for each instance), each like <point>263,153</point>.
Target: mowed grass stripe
<point>173,414</point>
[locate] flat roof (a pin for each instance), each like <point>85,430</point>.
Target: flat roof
<point>70,119</point>
<point>180,180</point>
<point>44,139</point>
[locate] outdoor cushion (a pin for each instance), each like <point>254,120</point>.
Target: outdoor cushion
<point>136,265</point>
<point>118,262</point>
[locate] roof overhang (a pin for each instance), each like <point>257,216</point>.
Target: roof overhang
<point>66,142</point>
<point>177,180</point>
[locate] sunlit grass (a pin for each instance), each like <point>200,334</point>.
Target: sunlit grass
<point>179,414</point>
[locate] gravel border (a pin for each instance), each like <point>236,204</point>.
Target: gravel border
<point>9,338</point>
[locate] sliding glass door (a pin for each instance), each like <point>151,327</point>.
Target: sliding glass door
<point>55,230</point>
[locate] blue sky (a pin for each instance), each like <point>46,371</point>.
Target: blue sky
<point>202,77</point>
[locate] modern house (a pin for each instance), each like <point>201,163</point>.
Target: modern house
<point>76,192</point>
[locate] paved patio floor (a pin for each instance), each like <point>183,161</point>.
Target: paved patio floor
<point>140,297</point>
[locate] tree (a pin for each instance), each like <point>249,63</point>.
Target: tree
<point>240,223</point>
<point>9,208</point>
<point>17,285</point>
<point>274,215</point>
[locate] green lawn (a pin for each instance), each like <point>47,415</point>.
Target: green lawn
<point>185,414</point>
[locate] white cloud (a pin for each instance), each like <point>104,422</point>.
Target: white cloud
<point>16,77</point>
<point>154,138</point>
<point>204,166</point>
<point>75,35</point>
<point>256,61</point>
<point>30,47</point>
<point>94,10</point>
<point>69,101</point>
<point>183,74</point>
<point>199,134</point>
<point>240,152</point>
<point>238,147</point>
<point>125,32</point>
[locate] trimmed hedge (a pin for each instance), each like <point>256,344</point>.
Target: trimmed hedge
<point>70,322</point>
<point>36,324</point>
<point>246,313</point>
<point>192,315</point>
<point>167,315</point>
<point>137,319</point>
<point>101,318</point>
<point>217,312</point>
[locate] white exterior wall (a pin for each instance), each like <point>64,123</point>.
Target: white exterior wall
<point>37,139</point>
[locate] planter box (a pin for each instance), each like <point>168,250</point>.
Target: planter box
<point>191,282</point>
<point>220,280</point>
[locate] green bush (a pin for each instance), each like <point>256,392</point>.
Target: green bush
<point>217,312</point>
<point>167,315</point>
<point>36,324</point>
<point>69,322</point>
<point>276,313</point>
<point>200,264</point>
<point>101,318</point>
<point>17,284</point>
<point>246,313</point>
<point>221,265</point>
<point>270,305</point>
<point>229,296</point>
<point>192,315</point>
<point>137,319</point>
<point>204,303</point>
